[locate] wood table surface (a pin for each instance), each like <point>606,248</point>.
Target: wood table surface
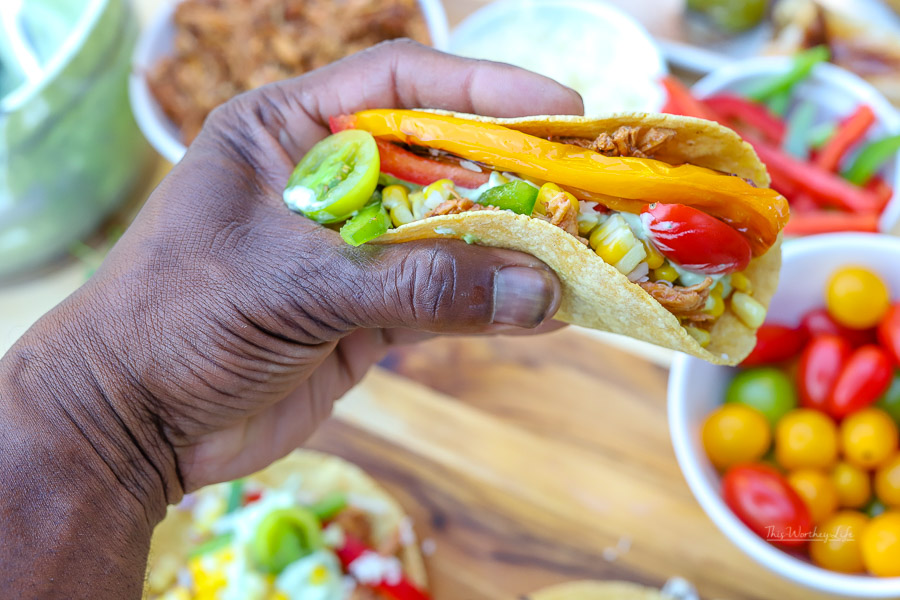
<point>526,461</point>
<point>532,461</point>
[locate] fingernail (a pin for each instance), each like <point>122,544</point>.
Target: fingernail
<point>522,296</point>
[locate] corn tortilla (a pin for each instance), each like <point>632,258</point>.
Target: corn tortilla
<point>321,475</point>
<point>594,293</point>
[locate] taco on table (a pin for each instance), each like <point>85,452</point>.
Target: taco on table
<point>309,527</point>
<point>660,227</point>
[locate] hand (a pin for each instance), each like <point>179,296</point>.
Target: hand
<point>222,327</point>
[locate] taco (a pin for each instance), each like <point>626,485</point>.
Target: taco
<point>598,590</point>
<point>659,227</point>
<point>310,526</point>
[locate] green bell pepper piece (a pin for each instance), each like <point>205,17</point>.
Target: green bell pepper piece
<point>329,506</point>
<point>799,123</point>
<point>890,402</point>
<point>516,196</point>
<point>800,70</point>
<point>283,536</point>
<point>369,223</point>
<point>871,158</point>
<point>212,545</point>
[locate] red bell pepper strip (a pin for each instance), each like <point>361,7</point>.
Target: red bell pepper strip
<point>802,202</point>
<point>880,188</point>
<point>826,188</point>
<point>750,113</point>
<point>411,167</point>
<point>828,221</point>
<point>682,102</point>
<point>403,589</point>
<point>851,131</point>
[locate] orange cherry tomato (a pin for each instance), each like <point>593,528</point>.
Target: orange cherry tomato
<point>735,433</point>
<point>856,297</point>
<point>806,438</point>
<point>887,482</point>
<point>854,488</point>
<point>868,438</point>
<point>836,543</point>
<point>817,491</point>
<point>881,545</point>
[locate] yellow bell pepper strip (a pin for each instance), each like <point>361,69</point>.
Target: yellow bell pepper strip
<point>624,184</point>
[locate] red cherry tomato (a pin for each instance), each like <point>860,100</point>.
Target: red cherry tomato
<point>819,322</point>
<point>864,378</point>
<point>889,332</point>
<point>765,502</point>
<point>696,240</point>
<point>775,343</point>
<point>820,364</point>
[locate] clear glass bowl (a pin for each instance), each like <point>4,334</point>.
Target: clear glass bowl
<point>70,150</point>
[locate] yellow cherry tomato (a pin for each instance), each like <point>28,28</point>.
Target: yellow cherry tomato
<point>852,485</point>
<point>868,437</point>
<point>856,297</point>
<point>887,482</point>
<point>817,491</point>
<point>836,544</point>
<point>735,433</point>
<point>881,545</point>
<point>806,439</point>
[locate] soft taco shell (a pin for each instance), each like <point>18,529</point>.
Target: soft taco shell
<point>598,590</point>
<point>321,474</point>
<point>594,293</point>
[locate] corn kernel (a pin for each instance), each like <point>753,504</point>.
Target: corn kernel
<point>665,273</point>
<point>748,310</point>
<point>615,243</point>
<point>701,335</point>
<point>551,191</point>
<point>395,198</point>
<point>741,283</point>
<point>715,306</point>
<point>417,202</point>
<point>654,259</point>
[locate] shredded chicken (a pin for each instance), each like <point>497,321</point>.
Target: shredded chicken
<point>454,206</point>
<point>624,141</point>
<point>683,302</point>
<point>355,523</point>
<point>563,214</point>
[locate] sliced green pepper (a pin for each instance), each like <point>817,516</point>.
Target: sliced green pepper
<point>212,545</point>
<point>326,508</point>
<point>283,536</point>
<point>516,196</point>
<point>235,495</point>
<point>779,103</point>
<point>871,158</point>
<point>819,135</point>
<point>336,177</point>
<point>800,70</point>
<point>369,223</point>
<point>799,124</point>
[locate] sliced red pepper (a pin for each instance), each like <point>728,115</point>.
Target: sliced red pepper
<point>881,189</point>
<point>750,113</point>
<point>399,590</point>
<point>682,102</point>
<point>851,131</point>
<point>411,167</point>
<point>829,221</point>
<point>802,202</point>
<point>826,188</point>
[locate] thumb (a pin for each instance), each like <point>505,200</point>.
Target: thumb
<point>448,286</point>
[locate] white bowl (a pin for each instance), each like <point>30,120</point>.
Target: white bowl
<point>836,92</point>
<point>696,388</point>
<point>620,72</point>
<point>158,40</point>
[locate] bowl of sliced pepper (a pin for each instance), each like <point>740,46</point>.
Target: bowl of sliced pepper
<point>829,139</point>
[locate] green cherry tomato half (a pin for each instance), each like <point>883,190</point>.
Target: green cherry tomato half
<point>283,536</point>
<point>336,178</point>
<point>766,389</point>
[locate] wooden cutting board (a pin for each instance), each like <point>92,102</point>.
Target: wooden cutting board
<point>531,461</point>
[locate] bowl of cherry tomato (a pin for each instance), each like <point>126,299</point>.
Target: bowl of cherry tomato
<point>795,454</point>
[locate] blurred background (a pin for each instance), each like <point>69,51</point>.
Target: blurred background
<point>569,473</point>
